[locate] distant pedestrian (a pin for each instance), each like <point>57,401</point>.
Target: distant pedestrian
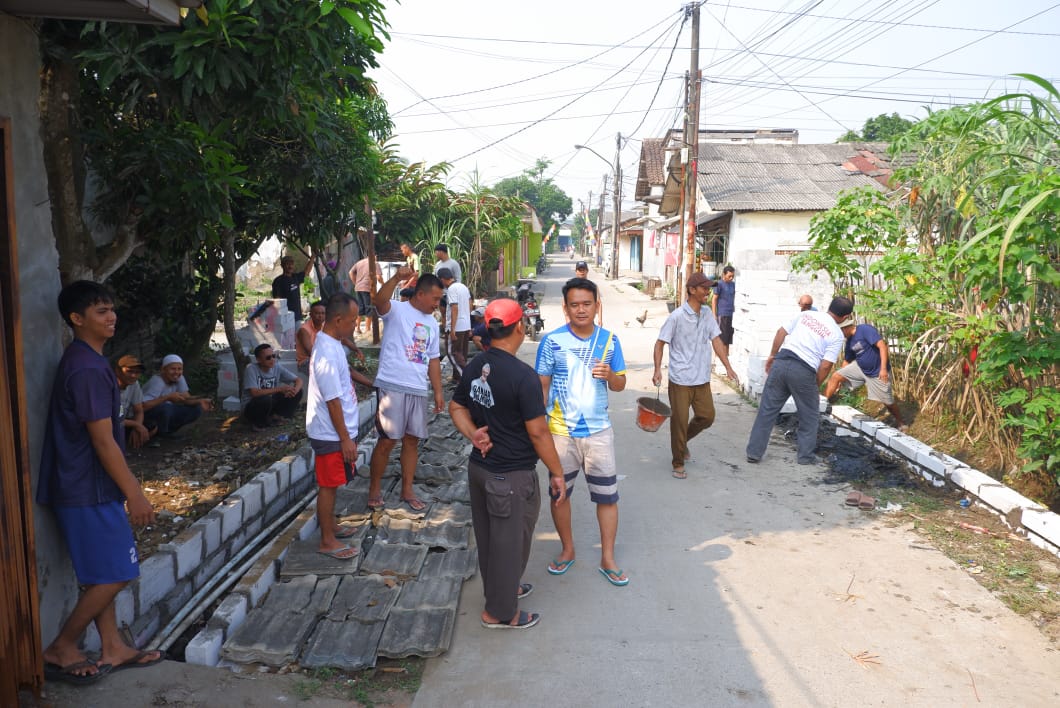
<point>723,304</point>
<point>868,362</point>
<point>442,260</point>
<point>361,277</point>
<point>802,356</point>
<point>498,407</point>
<point>578,363</point>
<point>409,368</point>
<point>581,270</point>
<point>806,303</point>
<point>691,331</point>
<point>288,285</point>
<point>412,260</point>
<point>86,482</point>
<point>456,320</point>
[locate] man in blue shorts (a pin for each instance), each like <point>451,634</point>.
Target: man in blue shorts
<point>868,362</point>
<point>86,482</point>
<point>578,363</point>
<point>497,406</point>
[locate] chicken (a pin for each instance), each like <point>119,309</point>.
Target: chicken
<point>642,318</point>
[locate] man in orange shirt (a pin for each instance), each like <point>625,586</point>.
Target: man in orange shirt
<point>307,334</point>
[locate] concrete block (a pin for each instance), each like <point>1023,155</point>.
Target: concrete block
<point>933,461</point>
<point>308,529</point>
<point>789,406</point>
<point>845,414</point>
<point>908,446</point>
<point>283,473</point>
<point>299,468</point>
<point>177,598</point>
<point>273,510</point>
<point>146,627</point>
<point>256,583</point>
<point>1005,499</point>
<point>204,648</point>
<point>230,614</point>
<point>209,568</point>
<point>869,426</point>
<point>885,436</point>
<point>211,532</point>
<point>1043,523</point>
<point>270,484</point>
<point>125,607</point>
<point>970,480</point>
<point>231,512</point>
<point>232,404</point>
<point>822,404</point>
<point>842,432</point>
<point>158,576</point>
<point>251,495</point>
<point>188,549</point>
<point>366,411</point>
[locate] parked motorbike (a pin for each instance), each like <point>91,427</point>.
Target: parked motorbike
<point>542,264</point>
<point>527,298</point>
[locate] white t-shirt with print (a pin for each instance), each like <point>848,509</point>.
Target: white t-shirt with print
<point>329,378</point>
<point>451,265</point>
<point>410,341</point>
<point>460,296</point>
<point>814,337</point>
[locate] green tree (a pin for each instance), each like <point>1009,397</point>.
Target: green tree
<point>252,118</point>
<point>549,201</point>
<point>882,128</point>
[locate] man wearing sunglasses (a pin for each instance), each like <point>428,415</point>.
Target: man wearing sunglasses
<point>270,392</point>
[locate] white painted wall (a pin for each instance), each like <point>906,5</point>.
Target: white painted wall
<point>767,290</point>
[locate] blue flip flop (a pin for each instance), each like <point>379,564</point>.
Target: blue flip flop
<point>614,577</point>
<point>561,566</point>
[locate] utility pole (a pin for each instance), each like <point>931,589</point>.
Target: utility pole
<point>585,240</point>
<point>600,218</point>
<point>692,144</point>
<point>617,216</point>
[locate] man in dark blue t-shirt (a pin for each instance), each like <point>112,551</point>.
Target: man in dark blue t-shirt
<point>498,406</point>
<point>723,304</point>
<point>85,480</point>
<point>868,363</point>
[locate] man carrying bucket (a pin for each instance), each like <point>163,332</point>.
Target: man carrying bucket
<point>577,364</point>
<point>691,331</point>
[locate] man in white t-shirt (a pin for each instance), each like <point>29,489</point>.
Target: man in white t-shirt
<point>801,358</point>
<point>331,420</point>
<point>408,359</point>
<point>457,320</point>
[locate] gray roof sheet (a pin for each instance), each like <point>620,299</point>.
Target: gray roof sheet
<point>756,177</point>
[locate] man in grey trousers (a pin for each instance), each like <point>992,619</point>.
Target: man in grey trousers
<point>803,354</point>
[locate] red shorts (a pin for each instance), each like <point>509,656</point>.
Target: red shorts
<point>332,470</point>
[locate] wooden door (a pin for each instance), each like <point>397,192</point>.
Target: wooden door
<point>19,613</point>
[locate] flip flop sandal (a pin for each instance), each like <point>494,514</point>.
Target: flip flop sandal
<point>345,532</point>
<point>853,499</point>
<point>615,577</point>
<point>54,672</point>
<point>867,503</point>
<point>344,553</point>
<point>137,662</point>
<point>524,590</point>
<point>558,567</point>
<point>376,503</point>
<point>526,621</point>
<point>680,474</point>
<point>414,503</point>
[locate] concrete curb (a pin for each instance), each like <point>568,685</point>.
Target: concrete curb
<point>1022,515</point>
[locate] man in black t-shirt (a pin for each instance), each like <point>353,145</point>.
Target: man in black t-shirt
<point>498,407</point>
<point>289,285</point>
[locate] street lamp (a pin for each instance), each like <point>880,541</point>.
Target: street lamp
<point>616,214</point>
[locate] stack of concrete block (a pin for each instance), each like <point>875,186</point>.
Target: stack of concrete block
<point>1038,524</point>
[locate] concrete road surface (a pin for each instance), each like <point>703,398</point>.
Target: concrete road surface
<point>751,585</point>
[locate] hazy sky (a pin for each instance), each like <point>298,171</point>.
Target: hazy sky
<point>494,86</point>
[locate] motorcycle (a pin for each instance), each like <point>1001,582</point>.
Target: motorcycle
<point>527,299</point>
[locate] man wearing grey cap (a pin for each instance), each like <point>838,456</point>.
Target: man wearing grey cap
<point>691,331</point>
<point>801,358</point>
<point>167,403</point>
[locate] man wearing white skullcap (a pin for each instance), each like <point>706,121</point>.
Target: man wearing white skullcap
<point>167,402</point>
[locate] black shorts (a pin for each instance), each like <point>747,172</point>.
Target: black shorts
<point>364,303</point>
<point>725,322</point>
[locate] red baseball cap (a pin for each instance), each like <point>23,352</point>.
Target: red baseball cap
<point>503,312</point>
